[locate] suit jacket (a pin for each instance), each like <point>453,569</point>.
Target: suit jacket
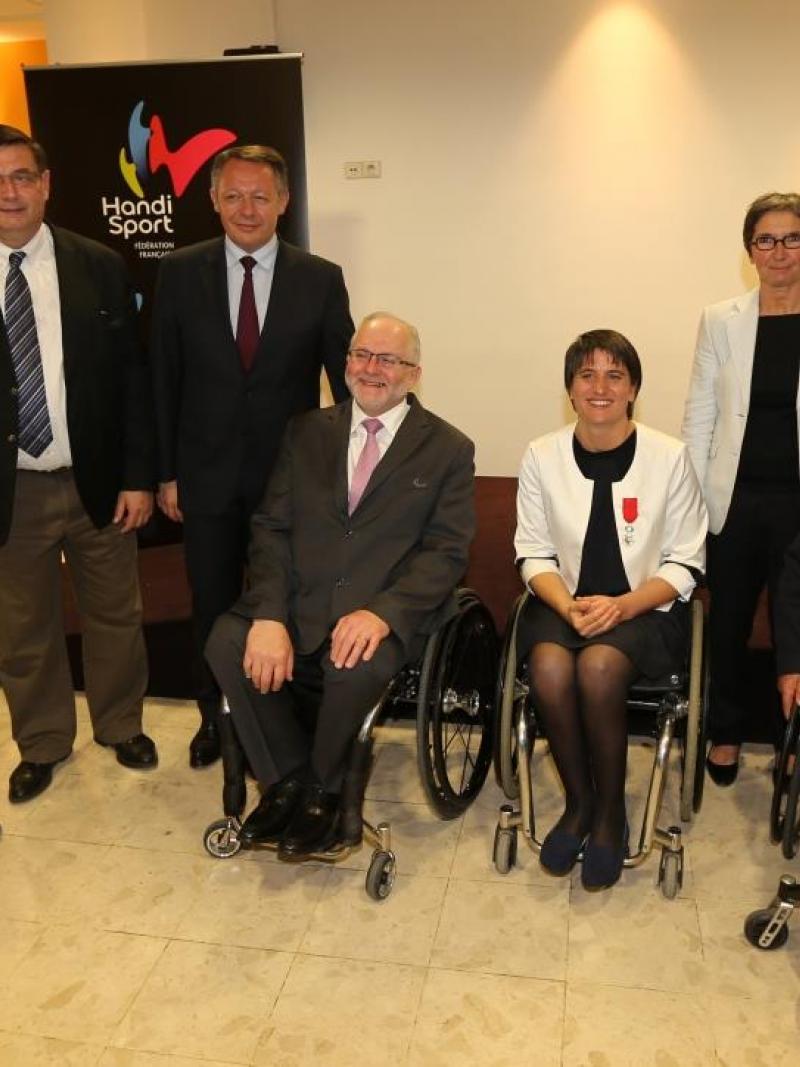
<point>400,554</point>
<point>718,402</point>
<point>109,408</point>
<point>554,502</point>
<point>786,613</point>
<point>219,428</point>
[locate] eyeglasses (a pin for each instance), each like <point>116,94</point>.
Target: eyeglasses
<point>386,360</point>
<point>765,242</point>
<point>20,179</point>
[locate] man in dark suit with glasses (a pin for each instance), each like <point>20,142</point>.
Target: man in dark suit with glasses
<point>356,552</point>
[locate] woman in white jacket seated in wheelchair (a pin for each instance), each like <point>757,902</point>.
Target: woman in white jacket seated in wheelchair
<point>610,539</point>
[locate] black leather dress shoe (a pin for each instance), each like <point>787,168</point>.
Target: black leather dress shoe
<point>138,752</point>
<point>204,748</point>
<point>723,774</point>
<point>267,823</point>
<point>29,779</point>
<point>314,826</point>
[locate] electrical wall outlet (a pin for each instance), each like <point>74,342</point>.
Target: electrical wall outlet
<point>363,168</point>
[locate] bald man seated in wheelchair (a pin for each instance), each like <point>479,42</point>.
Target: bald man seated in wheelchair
<point>356,551</point>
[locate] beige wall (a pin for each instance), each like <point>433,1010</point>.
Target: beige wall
<point>548,167</point>
<point>104,31</point>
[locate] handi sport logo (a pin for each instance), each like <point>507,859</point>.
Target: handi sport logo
<point>147,148</point>
<point>147,152</point>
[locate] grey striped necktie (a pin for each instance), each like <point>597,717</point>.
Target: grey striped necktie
<point>34,430</point>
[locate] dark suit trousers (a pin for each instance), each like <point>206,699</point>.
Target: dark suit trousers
<point>747,553</point>
<point>313,720</point>
<point>49,519</point>
<point>215,548</point>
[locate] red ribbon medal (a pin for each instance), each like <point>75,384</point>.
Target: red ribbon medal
<point>630,508</point>
<point>630,513</point>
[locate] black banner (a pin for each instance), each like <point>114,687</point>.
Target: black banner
<point>130,147</point>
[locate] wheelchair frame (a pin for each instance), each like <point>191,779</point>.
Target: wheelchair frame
<point>768,928</point>
<point>680,709</point>
<point>453,688</point>
<point>784,820</point>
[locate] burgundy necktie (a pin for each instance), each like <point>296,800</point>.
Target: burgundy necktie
<point>247,327</point>
<point>367,462</point>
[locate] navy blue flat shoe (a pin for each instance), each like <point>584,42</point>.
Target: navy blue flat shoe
<point>560,850</point>
<point>602,864</point>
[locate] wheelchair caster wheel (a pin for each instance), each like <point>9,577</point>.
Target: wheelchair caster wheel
<point>755,926</point>
<point>504,854</point>
<point>221,839</point>
<point>380,875</point>
<point>670,873</point>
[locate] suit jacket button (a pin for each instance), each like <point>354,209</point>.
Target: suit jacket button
<point>348,533</point>
<point>11,438</point>
<point>14,390</point>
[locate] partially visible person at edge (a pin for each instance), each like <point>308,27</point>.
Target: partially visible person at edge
<point>741,426</point>
<point>243,325</point>
<point>76,478</point>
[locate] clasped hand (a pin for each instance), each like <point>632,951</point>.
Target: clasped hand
<point>592,615</point>
<point>269,656</point>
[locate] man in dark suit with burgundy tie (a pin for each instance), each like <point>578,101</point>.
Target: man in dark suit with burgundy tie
<point>77,468</point>
<point>243,325</point>
<point>356,551</point>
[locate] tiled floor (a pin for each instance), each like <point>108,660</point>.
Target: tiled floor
<point>125,945</point>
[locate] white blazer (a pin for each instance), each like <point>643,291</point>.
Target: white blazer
<point>554,501</point>
<point>715,415</point>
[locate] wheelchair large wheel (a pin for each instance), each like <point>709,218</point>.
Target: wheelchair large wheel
<point>791,745</point>
<point>694,740</point>
<point>507,700</point>
<point>455,708</point>
<point>791,819</point>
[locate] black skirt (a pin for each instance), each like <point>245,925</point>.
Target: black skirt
<point>655,642</point>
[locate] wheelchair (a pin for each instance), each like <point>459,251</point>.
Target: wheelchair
<point>676,709</point>
<point>450,689</point>
<point>768,928</point>
<point>784,819</point>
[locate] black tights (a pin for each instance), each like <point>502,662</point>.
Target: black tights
<point>580,700</point>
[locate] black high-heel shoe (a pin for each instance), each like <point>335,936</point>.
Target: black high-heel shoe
<point>723,774</point>
<point>602,864</point>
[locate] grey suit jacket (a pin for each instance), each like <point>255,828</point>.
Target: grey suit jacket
<point>400,554</point>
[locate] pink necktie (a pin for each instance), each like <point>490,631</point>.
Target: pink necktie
<point>247,327</point>
<point>367,462</point>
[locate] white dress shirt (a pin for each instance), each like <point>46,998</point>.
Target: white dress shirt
<point>263,273</point>
<point>391,420</point>
<point>39,268</point>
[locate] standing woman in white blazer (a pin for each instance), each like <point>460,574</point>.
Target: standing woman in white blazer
<point>610,537</point>
<point>741,426</point>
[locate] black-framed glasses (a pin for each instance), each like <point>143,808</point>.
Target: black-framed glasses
<point>765,242</point>
<point>386,360</point>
